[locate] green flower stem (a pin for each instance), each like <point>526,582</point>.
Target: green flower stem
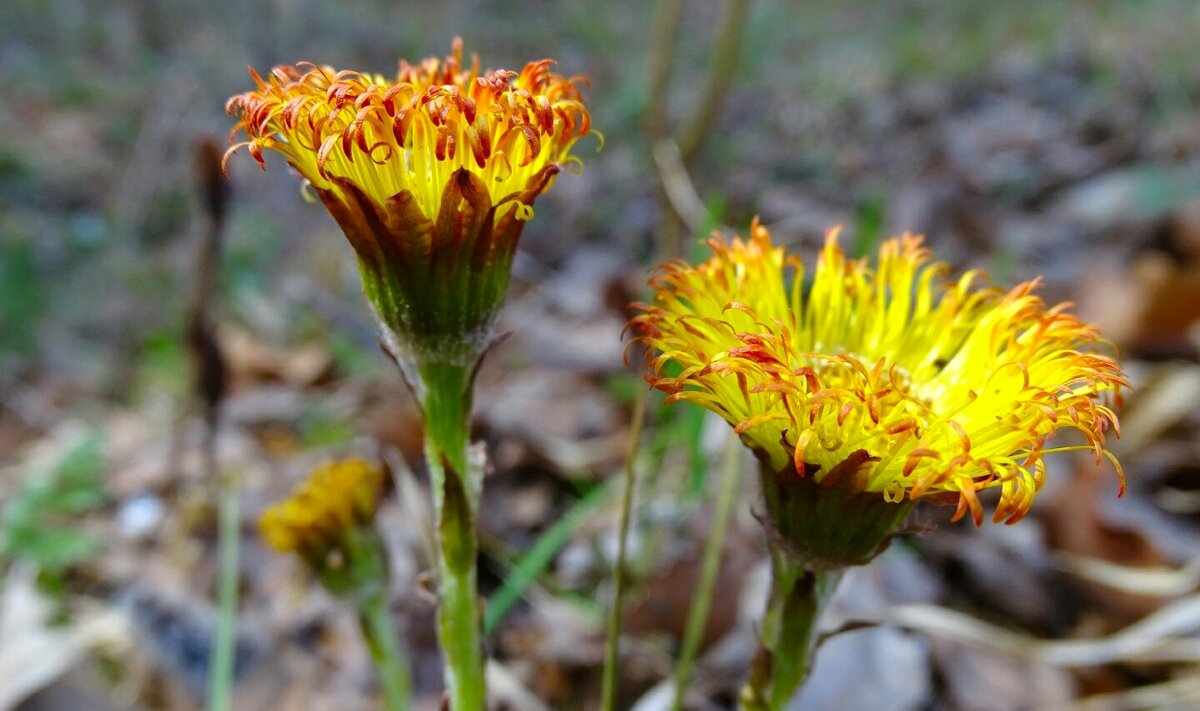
<point>445,393</point>
<point>789,633</point>
<point>391,665</point>
<point>815,530</point>
<point>362,580</point>
<point>220,679</point>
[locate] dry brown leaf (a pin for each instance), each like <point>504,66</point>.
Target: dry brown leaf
<point>253,360</point>
<point>1077,526</point>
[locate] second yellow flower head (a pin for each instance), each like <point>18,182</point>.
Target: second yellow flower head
<point>887,379</point>
<point>336,499</point>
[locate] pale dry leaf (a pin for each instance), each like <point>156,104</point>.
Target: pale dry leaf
<point>1159,581</point>
<point>505,687</point>
<point>1182,693</point>
<point>1169,396</point>
<point>33,655</point>
<point>1165,636</point>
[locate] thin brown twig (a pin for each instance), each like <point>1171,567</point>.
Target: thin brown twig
<point>211,380</point>
<point>727,47</point>
<point>726,52</point>
<point>661,55</point>
<point>612,646</point>
<point>210,370</point>
<point>662,46</point>
<point>677,185</point>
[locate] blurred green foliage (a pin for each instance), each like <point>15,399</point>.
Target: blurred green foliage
<point>319,428</point>
<point>161,366</point>
<point>524,570</point>
<point>871,214</point>
<point>40,524</point>
<point>22,298</point>
<point>352,358</point>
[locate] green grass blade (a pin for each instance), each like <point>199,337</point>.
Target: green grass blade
<point>530,566</point>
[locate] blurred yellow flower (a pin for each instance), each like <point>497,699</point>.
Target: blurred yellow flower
<point>883,379</point>
<point>336,499</point>
<point>431,175</point>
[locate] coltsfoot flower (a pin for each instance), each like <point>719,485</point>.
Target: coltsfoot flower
<point>886,381</point>
<point>327,514</point>
<point>431,174</point>
<point>329,521</point>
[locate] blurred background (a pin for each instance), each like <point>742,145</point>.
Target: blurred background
<point>1026,138</point>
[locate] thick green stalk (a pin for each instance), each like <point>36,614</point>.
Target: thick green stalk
<point>789,632</point>
<point>388,656</point>
<point>445,393</point>
<point>815,530</point>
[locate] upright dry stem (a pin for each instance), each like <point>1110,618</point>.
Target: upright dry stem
<point>661,53</point>
<point>210,375</point>
<point>221,663</point>
<point>608,692</point>
<point>726,53</point>
<point>709,567</point>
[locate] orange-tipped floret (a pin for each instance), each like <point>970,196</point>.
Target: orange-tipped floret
<point>936,390</point>
<point>431,176</point>
<point>412,132</point>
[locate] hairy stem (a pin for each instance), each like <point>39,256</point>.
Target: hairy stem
<point>445,393</point>
<point>789,633</point>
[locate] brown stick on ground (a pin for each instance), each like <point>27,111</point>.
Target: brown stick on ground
<point>727,49</point>
<point>209,367</point>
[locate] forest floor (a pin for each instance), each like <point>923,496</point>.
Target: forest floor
<point>1024,140</point>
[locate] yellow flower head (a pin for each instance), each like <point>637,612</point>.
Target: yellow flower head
<point>335,500</point>
<point>887,379</point>
<point>431,174</point>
